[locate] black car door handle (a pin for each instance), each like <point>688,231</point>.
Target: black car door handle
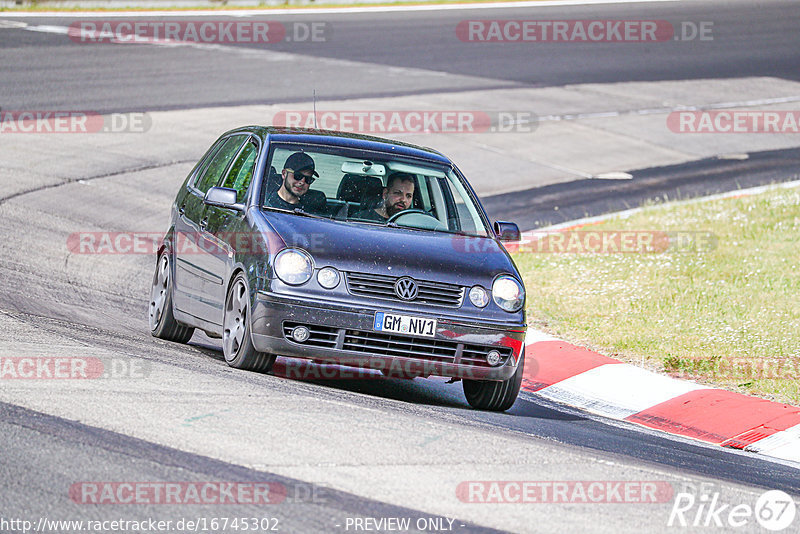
<point>204,223</point>
<point>182,210</point>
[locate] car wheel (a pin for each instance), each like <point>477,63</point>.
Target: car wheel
<point>162,323</point>
<point>494,396</point>
<point>237,345</point>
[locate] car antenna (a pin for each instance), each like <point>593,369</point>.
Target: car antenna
<point>314,95</point>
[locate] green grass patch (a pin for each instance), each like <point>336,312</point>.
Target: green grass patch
<point>725,312</point>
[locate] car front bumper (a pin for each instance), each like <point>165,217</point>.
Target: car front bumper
<point>344,335</point>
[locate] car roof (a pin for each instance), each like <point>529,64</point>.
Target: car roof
<point>331,137</point>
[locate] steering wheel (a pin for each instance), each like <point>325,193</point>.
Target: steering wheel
<point>418,219</point>
<point>410,211</point>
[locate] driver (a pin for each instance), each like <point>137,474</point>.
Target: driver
<point>398,195</point>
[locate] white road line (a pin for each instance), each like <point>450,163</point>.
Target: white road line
<point>535,336</point>
<point>322,10</point>
<point>627,213</point>
<point>12,24</point>
<point>259,53</point>
<point>46,29</point>
<point>554,166</point>
<point>664,110</point>
<point>784,444</point>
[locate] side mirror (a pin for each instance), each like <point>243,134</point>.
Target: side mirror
<point>222,197</point>
<point>506,231</point>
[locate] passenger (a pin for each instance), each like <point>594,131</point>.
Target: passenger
<point>298,175</point>
<point>398,195</point>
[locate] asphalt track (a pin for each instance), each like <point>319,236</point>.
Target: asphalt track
<point>567,201</point>
<point>368,447</point>
<point>46,71</point>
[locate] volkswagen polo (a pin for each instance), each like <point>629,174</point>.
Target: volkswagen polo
<point>345,249</point>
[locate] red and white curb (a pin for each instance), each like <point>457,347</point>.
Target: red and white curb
<point>578,377</point>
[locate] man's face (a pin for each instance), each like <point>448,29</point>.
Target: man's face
<point>398,196</point>
<point>294,182</point>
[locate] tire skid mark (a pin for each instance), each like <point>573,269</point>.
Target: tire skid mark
<point>68,181</point>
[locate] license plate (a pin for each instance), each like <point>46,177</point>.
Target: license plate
<point>405,324</point>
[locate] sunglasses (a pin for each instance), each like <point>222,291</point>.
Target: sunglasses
<point>297,176</point>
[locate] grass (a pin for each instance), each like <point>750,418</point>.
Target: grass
<point>725,313</point>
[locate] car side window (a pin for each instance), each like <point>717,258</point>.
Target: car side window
<point>241,172</point>
<point>213,172</point>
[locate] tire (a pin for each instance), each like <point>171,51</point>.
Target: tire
<point>237,344</point>
<point>162,323</point>
<point>494,396</point>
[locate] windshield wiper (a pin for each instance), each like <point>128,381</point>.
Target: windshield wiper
<point>448,232</point>
<point>301,211</point>
<point>364,221</point>
<point>296,211</point>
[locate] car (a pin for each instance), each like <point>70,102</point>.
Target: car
<point>428,291</point>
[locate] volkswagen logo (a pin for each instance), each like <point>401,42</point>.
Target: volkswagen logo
<point>406,288</point>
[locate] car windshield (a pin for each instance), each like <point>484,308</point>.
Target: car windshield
<point>360,187</point>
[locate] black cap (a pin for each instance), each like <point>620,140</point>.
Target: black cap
<point>300,161</point>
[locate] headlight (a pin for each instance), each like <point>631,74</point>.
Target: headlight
<point>328,277</point>
<point>508,293</point>
<point>478,296</point>
<point>293,266</point>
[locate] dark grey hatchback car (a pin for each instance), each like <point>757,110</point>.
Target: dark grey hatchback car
<point>421,288</point>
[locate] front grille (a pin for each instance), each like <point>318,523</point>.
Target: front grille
<point>382,287</point>
<point>404,346</point>
<point>395,345</point>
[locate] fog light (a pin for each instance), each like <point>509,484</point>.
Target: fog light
<point>493,358</point>
<point>478,296</point>
<point>328,277</point>
<point>301,333</point>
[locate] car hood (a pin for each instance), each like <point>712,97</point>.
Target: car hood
<point>394,251</point>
